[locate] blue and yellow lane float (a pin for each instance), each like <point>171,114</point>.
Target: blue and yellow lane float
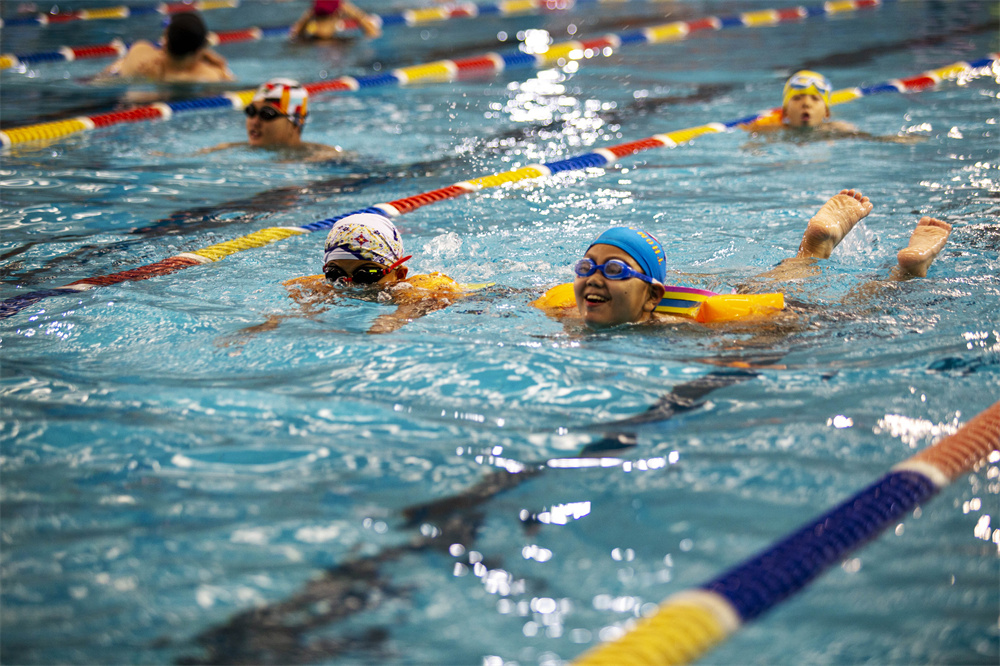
<point>408,18</point>
<point>601,157</point>
<point>434,72</point>
<point>118,12</point>
<point>690,623</point>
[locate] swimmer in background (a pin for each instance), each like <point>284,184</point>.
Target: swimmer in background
<point>805,107</point>
<point>363,258</point>
<point>621,278</point>
<point>185,56</point>
<point>275,118</point>
<point>324,21</point>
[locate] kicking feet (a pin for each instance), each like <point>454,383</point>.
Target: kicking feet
<point>833,221</point>
<point>928,237</point>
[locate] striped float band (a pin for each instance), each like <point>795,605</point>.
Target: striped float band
<point>669,32</point>
<point>682,300</point>
<point>600,157</point>
<point>688,624</point>
<point>447,70</point>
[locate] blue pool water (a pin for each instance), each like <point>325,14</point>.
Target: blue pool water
<point>162,474</point>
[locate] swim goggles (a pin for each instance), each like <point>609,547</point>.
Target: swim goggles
<point>613,269</point>
<point>267,113</point>
<point>362,274</point>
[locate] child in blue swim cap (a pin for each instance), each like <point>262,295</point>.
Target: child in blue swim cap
<point>620,278</point>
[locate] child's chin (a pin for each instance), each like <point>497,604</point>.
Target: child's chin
<point>601,322</point>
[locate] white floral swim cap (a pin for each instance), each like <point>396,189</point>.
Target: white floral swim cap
<point>364,236</point>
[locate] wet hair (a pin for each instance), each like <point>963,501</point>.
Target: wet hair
<point>185,34</point>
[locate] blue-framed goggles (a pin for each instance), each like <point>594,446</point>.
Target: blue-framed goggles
<point>613,269</point>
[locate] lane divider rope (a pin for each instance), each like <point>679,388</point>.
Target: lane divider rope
<point>601,157</point>
<point>447,70</point>
<point>120,12</point>
<point>690,623</point>
<point>408,18</point>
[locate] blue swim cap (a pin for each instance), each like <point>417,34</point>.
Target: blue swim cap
<point>641,246</point>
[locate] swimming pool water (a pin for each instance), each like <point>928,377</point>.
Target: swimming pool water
<point>163,474</point>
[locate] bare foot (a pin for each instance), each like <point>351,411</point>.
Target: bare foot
<point>928,238</point>
<point>833,221</point>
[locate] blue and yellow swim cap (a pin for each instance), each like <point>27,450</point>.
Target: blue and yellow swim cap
<point>641,246</point>
<point>806,82</point>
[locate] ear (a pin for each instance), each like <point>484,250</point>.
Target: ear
<point>828,112</point>
<point>401,272</point>
<point>656,292</point>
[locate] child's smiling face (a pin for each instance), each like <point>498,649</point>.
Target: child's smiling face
<point>604,302</point>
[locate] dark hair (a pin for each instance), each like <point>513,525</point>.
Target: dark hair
<point>185,34</point>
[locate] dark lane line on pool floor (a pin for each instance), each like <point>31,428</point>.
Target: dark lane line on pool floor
<point>277,632</point>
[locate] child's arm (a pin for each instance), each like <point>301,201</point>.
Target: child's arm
<point>213,59</point>
<point>407,312</point>
<point>418,296</point>
<point>295,32</point>
<point>368,25</point>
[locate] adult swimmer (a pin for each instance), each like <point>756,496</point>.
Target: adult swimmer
<point>324,21</point>
<point>805,110</point>
<point>275,118</point>
<point>363,258</point>
<point>621,277</point>
<point>185,56</point>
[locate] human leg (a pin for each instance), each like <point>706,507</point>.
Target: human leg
<point>832,223</point>
<point>927,240</point>
<point>824,232</point>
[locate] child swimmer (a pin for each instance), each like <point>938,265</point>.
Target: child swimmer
<point>365,250</point>
<point>363,259</point>
<point>805,106</point>
<point>621,278</point>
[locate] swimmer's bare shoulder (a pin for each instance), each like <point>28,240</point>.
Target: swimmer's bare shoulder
<point>838,127</point>
<point>202,72</point>
<point>319,152</point>
<point>142,59</point>
<point>214,149</point>
<point>842,129</point>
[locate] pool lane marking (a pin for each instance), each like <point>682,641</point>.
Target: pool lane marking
<point>688,624</point>
<point>448,70</point>
<point>409,17</point>
<point>120,12</point>
<point>598,158</point>
<point>457,518</point>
